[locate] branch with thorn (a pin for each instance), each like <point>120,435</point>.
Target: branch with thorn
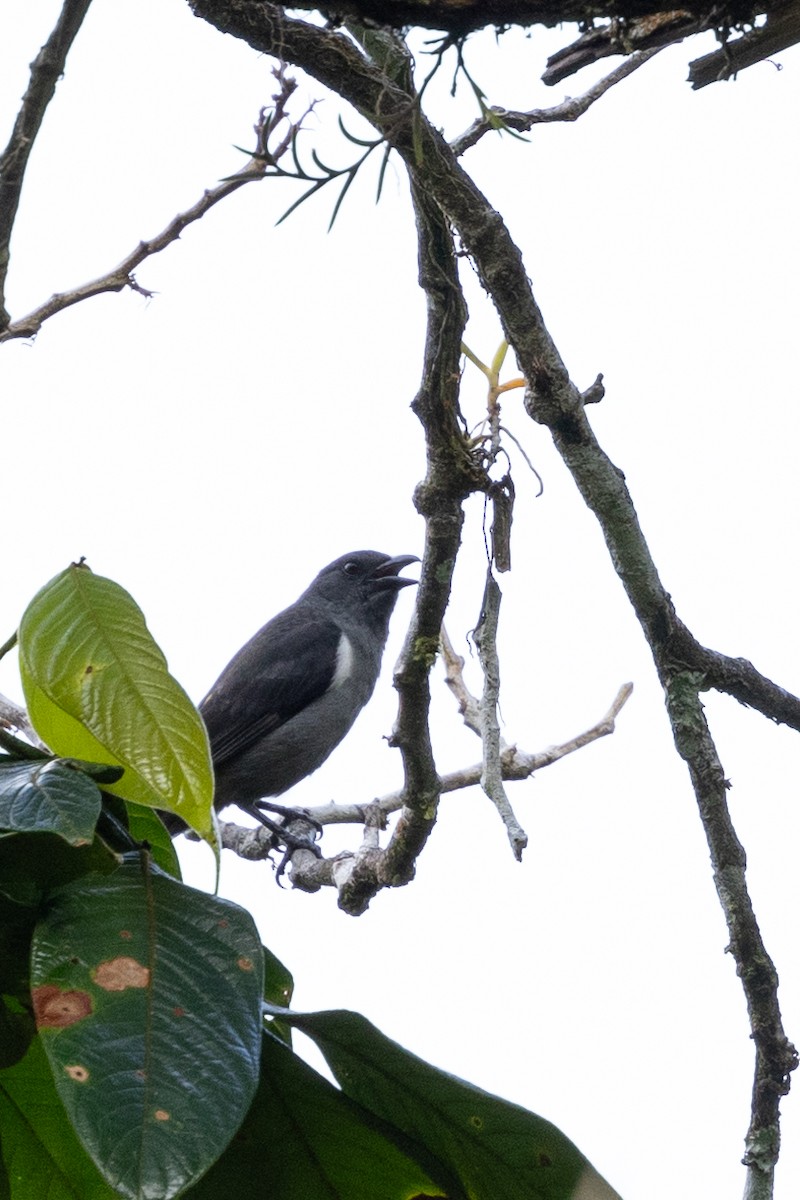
<point>260,165</point>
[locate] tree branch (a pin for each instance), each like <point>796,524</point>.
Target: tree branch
<point>776,1057</point>
<point>121,276</point>
<point>782,30</point>
<point>569,110</point>
<point>553,400</point>
<point>310,873</point>
<point>660,29</point>
<point>492,768</point>
<point>639,37</point>
<point>261,165</point>
<point>460,17</point>
<point>46,70</point>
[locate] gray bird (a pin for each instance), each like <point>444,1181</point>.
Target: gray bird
<point>289,696</point>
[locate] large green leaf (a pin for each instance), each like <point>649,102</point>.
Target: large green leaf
<point>147,996</point>
<point>497,1150</point>
<point>48,796</point>
<point>42,1157</point>
<point>97,688</point>
<point>303,1139</point>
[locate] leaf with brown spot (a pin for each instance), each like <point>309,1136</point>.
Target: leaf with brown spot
<point>120,973</point>
<point>56,1008</point>
<point>151,1078</point>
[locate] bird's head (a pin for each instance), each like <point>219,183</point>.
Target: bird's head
<point>364,581</point>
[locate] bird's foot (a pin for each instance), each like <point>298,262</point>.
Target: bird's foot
<point>288,814</point>
<point>290,840</point>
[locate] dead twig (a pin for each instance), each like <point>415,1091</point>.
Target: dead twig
<point>485,637</point>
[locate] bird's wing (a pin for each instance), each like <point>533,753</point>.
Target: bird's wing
<point>288,665</point>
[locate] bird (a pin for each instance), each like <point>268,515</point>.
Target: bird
<point>287,699</point>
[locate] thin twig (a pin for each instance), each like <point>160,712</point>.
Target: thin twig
<point>8,644</point>
<point>260,166</point>
<point>454,678</point>
<point>492,773</point>
<point>569,110</point>
<point>309,873</point>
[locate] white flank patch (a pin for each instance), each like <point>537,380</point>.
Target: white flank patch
<point>344,662</point>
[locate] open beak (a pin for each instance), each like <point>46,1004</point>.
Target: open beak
<point>386,575</point>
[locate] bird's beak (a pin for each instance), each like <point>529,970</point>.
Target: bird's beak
<point>386,575</point>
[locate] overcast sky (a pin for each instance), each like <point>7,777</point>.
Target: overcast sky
<point>212,448</point>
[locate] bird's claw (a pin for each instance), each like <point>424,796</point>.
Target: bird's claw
<point>291,841</point>
<point>288,814</point>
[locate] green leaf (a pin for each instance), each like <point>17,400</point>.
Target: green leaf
<point>48,797</point>
<point>97,688</point>
<point>147,997</point>
<point>304,1140</point>
<point>278,989</point>
<point>40,1152</point>
<point>146,826</point>
<point>497,1150</point>
<point>278,981</point>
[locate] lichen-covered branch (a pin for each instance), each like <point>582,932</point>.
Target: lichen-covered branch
<point>451,475</point>
<point>46,70</point>
<point>776,1057</point>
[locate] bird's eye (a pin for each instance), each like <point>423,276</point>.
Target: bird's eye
<point>351,568</point>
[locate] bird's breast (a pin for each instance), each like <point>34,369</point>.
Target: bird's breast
<point>345,658</point>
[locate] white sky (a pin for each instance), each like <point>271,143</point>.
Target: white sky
<point>212,448</point>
